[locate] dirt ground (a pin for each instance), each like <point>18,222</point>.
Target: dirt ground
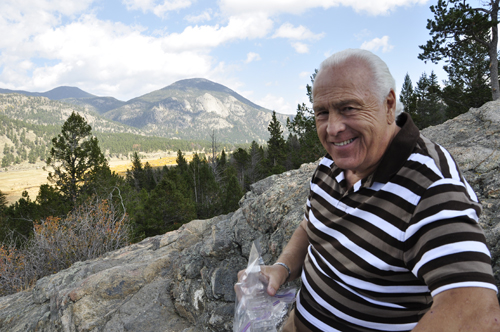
<point>15,179</point>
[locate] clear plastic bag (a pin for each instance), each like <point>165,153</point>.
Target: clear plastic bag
<point>255,310</point>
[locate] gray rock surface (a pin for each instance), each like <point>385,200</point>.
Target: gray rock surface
<point>473,139</point>
<point>180,281</point>
<point>183,280</point>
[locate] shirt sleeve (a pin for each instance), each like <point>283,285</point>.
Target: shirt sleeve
<point>444,244</point>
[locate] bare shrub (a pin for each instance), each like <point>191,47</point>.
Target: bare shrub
<point>89,231</point>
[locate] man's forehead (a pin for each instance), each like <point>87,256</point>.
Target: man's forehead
<point>347,74</point>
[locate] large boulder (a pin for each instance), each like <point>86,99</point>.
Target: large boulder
<point>183,280</point>
<point>473,139</point>
<point>180,281</point>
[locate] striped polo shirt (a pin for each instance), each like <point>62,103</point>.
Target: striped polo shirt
<point>380,250</point>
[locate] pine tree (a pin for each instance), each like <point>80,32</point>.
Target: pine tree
<point>456,25</point>
<point>467,85</point>
<point>408,97</point>
<point>3,202</point>
<point>239,160</point>
<point>166,209</point>
<point>75,158</point>
<point>276,147</point>
<point>232,193</point>
<point>135,175</point>
<point>429,106</point>
<point>303,139</point>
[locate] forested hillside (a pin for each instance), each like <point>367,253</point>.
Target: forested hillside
<point>99,210</point>
<point>28,124</point>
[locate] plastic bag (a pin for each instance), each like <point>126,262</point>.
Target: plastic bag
<point>255,310</point>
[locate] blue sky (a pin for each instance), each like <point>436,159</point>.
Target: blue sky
<point>263,49</point>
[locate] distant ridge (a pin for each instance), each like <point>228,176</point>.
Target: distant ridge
<point>204,84</point>
<point>59,93</point>
<point>189,109</point>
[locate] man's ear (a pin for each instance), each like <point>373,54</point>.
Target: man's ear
<point>390,104</point>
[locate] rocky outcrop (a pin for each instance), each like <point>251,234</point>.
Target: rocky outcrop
<point>473,139</point>
<point>183,280</point>
<point>180,281</point>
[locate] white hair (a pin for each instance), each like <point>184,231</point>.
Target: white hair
<point>384,81</point>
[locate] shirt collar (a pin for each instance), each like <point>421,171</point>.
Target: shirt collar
<point>398,151</point>
<point>394,157</point>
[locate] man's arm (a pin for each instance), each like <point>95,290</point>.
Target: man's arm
<point>462,309</point>
<point>293,256</point>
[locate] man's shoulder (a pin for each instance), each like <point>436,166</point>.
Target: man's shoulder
<point>437,158</point>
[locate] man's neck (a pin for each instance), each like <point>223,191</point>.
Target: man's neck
<point>352,177</point>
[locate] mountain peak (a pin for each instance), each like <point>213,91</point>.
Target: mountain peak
<point>64,92</point>
<point>59,93</point>
<point>207,85</point>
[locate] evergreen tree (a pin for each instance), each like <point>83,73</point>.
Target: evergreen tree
<point>239,160</point>
<point>166,209</point>
<point>276,147</point>
<point>408,97</point>
<point>75,158</point>
<point>456,25</point>
<point>149,177</point>
<point>303,140</point>
<point>18,219</point>
<point>467,85</point>
<point>232,192</point>
<point>135,175</point>
<point>51,202</point>
<point>429,106</point>
<point>182,163</point>
<point>255,169</point>
<point>223,159</point>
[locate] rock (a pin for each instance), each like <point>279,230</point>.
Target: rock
<point>179,281</point>
<point>473,139</point>
<point>182,281</point>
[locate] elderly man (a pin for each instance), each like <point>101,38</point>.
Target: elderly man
<point>390,240</point>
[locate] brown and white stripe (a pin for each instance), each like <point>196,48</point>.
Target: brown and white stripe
<point>380,250</point>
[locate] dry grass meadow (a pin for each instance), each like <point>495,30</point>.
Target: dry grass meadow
<point>16,179</point>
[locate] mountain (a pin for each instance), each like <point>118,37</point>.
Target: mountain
<point>193,109</point>
<point>99,105</point>
<point>75,96</point>
<point>59,93</point>
<point>183,280</point>
<point>190,109</point>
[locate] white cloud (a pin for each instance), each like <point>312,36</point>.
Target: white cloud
<point>363,34</point>
<point>24,19</point>
<point>203,17</point>
<point>158,8</point>
<point>377,43</point>
<point>206,37</point>
<point>300,47</point>
<point>119,57</point>
<point>251,56</point>
<point>277,104</point>
<point>287,30</point>
<point>373,7</point>
<point>105,57</point>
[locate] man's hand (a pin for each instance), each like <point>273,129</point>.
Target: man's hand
<point>462,310</point>
<point>273,275</point>
<point>293,256</point>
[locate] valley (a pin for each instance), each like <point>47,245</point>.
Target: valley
<point>30,177</point>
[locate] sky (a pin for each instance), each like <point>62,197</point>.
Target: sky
<point>264,50</point>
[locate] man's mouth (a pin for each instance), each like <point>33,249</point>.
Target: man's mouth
<point>344,142</point>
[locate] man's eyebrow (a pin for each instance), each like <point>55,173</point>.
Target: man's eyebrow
<point>341,103</point>
<point>338,104</point>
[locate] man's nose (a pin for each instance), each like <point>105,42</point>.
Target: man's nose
<point>335,124</point>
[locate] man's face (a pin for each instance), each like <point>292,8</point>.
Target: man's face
<point>353,125</point>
